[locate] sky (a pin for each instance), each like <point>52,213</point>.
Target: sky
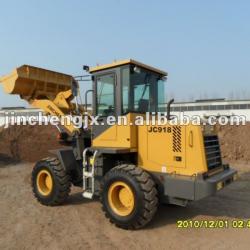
<point>203,45</point>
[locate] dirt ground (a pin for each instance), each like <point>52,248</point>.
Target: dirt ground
<point>80,224</point>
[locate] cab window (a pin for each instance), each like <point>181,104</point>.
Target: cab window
<point>105,95</point>
<point>142,91</point>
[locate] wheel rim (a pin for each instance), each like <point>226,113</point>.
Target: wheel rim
<point>121,198</point>
<point>44,182</point>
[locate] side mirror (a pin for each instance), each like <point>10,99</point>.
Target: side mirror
<point>168,109</point>
<point>75,88</point>
<point>86,98</point>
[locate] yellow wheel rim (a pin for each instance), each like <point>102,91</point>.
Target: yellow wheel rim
<point>44,182</point>
<point>121,198</point>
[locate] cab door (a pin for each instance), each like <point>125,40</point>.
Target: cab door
<point>104,104</point>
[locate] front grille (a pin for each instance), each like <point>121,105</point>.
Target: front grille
<point>212,150</point>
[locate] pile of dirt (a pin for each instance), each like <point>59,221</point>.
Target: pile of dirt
<point>27,143</point>
<point>234,142</point>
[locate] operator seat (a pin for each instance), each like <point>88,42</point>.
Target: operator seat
<point>143,106</point>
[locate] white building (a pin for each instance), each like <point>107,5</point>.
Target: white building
<point>212,107</point>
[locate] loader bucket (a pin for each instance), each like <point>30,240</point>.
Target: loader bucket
<point>31,82</point>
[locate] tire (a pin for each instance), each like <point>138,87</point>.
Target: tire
<point>144,202</point>
<point>50,183</point>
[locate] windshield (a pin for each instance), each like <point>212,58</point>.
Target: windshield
<point>142,91</point>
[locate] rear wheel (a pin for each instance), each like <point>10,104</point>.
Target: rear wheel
<point>50,183</point>
<point>129,196</point>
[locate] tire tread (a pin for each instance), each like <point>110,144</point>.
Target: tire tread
<point>62,178</point>
<point>149,190</point>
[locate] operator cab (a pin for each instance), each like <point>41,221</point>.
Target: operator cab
<point>127,87</point>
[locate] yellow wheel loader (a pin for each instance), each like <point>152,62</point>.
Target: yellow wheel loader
<point>131,167</point>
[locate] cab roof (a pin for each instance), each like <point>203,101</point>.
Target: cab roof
<point>124,62</point>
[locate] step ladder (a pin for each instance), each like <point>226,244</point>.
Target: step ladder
<point>88,174</point>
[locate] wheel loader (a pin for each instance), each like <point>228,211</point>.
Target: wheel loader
<point>131,168</point>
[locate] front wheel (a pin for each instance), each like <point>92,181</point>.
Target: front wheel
<point>129,196</point>
<point>50,183</point>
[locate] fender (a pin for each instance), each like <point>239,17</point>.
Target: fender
<point>67,158</point>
